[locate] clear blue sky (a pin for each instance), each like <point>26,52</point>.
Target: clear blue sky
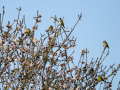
<point>100,21</point>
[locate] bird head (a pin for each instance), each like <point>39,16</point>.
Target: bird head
<point>104,41</point>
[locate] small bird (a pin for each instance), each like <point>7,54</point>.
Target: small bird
<point>61,22</point>
<point>57,85</point>
<point>50,28</point>
<point>100,78</point>
<point>28,32</point>
<point>45,59</point>
<point>20,42</point>
<point>105,44</point>
<point>91,70</point>
<point>6,33</point>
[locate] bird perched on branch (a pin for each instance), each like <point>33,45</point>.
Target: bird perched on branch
<point>91,70</point>
<point>100,78</point>
<point>105,44</point>
<point>61,22</point>
<point>6,33</point>
<point>45,59</point>
<point>28,32</point>
<point>57,85</point>
<point>50,28</point>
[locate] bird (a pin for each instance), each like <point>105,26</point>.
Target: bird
<point>45,59</point>
<point>91,70</point>
<point>57,85</point>
<point>100,78</point>
<point>20,41</point>
<point>50,28</point>
<point>61,22</point>
<point>28,32</point>
<point>105,44</point>
<point>6,33</point>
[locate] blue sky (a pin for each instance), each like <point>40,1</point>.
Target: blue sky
<point>100,21</point>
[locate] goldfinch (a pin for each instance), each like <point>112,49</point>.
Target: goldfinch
<point>20,42</point>
<point>45,59</point>
<point>6,33</point>
<point>57,85</point>
<point>105,44</point>
<point>61,22</point>
<point>28,32</point>
<point>100,78</point>
<point>50,28</point>
<point>91,70</point>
